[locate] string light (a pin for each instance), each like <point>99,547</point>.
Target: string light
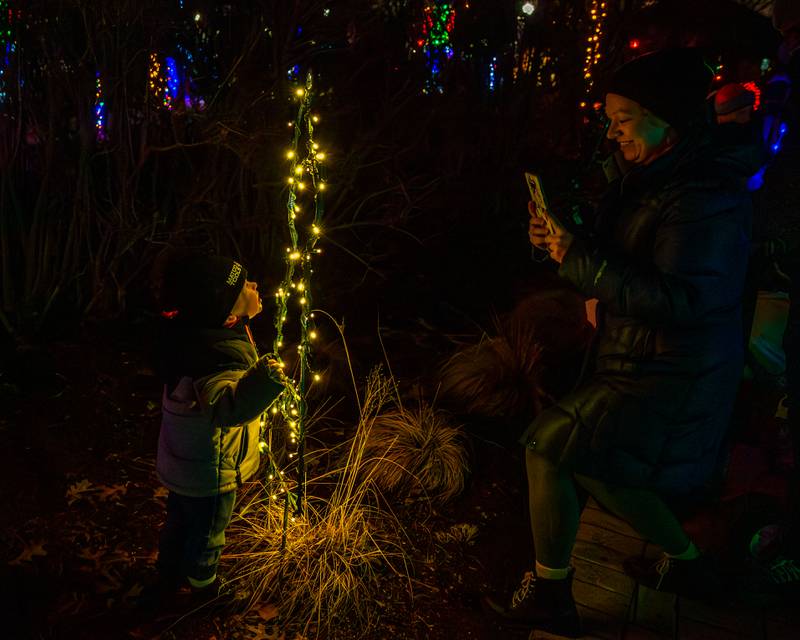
<point>756,91</point>
<point>172,83</point>
<point>303,157</point>
<point>156,82</point>
<point>99,110</point>
<point>439,18</point>
<point>597,15</point>
<point>8,45</point>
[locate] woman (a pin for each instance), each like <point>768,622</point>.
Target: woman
<point>666,260</point>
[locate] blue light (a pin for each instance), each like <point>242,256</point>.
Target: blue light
<point>781,132</point>
<point>756,181</point>
<point>172,82</point>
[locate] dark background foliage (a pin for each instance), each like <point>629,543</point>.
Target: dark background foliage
<point>426,211</point>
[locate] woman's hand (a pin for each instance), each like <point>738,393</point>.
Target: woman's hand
<point>537,229</point>
<point>556,242</point>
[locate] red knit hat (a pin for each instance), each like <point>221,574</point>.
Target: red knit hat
<point>732,97</point>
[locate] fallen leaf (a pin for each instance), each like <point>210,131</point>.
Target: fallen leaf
<point>114,491</point>
<point>257,632</point>
<point>35,548</point>
<point>76,491</point>
<point>111,582</point>
<point>93,556</point>
<point>70,604</point>
<point>267,612</point>
<point>161,492</point>
<point>134,592</point>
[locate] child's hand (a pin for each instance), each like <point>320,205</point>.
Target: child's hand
<point>277,369</point>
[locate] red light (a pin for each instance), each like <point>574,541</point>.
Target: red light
<point>717,77</point>
<point>753,88</point>
<point>634,44</point>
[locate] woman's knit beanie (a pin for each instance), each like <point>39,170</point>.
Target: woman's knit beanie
<point>671,83</point>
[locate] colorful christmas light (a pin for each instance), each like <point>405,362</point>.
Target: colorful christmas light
<point>439,18</point>
<point>756,91</point>
<point>100,110</point>
<point>172,83</point>
<point>597,16</point>
<point>193,61</point>
<point>7,46</point>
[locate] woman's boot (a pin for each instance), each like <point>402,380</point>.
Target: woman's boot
<point>540,604</point>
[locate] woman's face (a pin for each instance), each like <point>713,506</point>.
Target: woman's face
<point>642,136</point>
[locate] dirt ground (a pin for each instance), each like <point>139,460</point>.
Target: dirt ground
<point>82,510</point>
<point>83,507</point>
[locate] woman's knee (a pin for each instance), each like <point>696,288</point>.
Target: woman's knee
<point>535,462</point>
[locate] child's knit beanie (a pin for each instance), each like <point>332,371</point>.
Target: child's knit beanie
<point>200,290</point>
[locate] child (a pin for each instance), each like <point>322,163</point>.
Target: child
<point>215,389</point>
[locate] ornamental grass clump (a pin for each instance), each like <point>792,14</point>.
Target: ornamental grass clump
<point>321,567</point>
<point>534,356</point>
<point>416,451</point>
<point>498,377</point>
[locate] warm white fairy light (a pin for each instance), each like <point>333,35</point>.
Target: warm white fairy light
<point>597,15</point>
<point>303,179</point>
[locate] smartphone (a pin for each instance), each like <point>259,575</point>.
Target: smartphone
<point>534,183</point>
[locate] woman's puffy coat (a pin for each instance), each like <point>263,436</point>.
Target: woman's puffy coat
<point>667,261</point>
